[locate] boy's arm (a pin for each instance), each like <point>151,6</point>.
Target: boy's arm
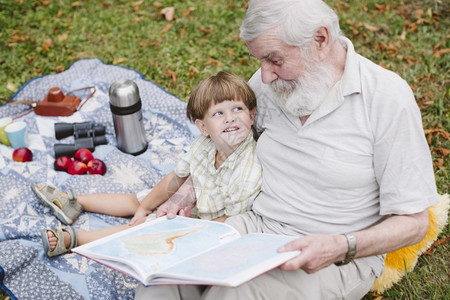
<point>159,194</point>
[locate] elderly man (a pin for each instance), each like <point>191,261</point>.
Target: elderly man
<point>346,166</point>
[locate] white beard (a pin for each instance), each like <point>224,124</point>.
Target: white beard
<point>302,96</point>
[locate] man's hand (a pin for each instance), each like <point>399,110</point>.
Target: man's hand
<point>317,252</point>
<point>181,203</point>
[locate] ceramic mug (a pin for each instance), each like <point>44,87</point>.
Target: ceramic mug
<point>17,134</point>
<point>3,137</point>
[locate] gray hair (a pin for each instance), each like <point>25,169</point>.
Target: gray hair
<point>297,21</point>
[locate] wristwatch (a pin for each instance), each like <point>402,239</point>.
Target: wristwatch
<point>351,240</point>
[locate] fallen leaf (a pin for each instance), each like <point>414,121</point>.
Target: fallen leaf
<point>77,4</point>
<point>230,51</point>
<point>410,60</point>
<point>59,14</point>
<point>182,32</point>
<point>136,3</point>
<point>45,3</point>
<point>63,37</point>
<point>157,4</point>
<point>370,27</point>
<point>166,28</point>
<point>46,45</point>
<point>437,131</point>
<point>444,151</point>
<point>419,13</point>
<point>436,244</point>
<point>172,75</point>
<point>206,31</point>
<point>11,86</point>
<point>59,69</point>
<point>439,163</point>
<point>187,12</point>
<point>169,13</point>
<point>441,52</point>
<point>192,71</point>
<point>212,61</point>
<point>17,37</point>
<point>119,60</point>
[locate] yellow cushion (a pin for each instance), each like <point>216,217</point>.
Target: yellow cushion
<point>398,262</point>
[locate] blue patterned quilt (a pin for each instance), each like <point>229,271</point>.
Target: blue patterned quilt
<point>24,268</point>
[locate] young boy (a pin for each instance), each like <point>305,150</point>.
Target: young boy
<point>222,163</point>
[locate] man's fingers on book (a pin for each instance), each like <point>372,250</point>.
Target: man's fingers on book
<point>291,246</point>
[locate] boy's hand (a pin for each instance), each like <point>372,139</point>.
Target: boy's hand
<point>139,214</point>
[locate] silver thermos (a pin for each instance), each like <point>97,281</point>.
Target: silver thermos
<point>125,104</point>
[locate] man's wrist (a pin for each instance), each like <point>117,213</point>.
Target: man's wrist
<point>351,241</point>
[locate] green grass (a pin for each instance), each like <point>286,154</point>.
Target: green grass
<point>408,37</point>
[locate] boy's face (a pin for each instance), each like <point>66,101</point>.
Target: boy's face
<point>227,123</point>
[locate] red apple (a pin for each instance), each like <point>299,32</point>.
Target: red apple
<point>84,155</point>
<point>77,168</point>
<point>62,163</point>
<point>96,166</point>
<point>22,154</point>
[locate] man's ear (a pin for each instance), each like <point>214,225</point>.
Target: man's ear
<point>322,39</point>
<point>201,126</point>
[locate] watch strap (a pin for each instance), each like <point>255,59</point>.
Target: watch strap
<point>351,240</point>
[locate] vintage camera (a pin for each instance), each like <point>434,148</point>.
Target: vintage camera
<point>86,136</point>
<point>56,103</point>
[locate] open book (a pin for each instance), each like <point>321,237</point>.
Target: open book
<point>188,251</point>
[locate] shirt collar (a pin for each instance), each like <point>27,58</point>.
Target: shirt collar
<point>351,79</point>
<point>231,160</point>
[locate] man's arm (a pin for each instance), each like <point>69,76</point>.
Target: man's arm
<point>181,202</point>
<point>166,188</point>
<point>395,232</point>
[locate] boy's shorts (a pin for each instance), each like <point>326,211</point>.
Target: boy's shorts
<point>141,194</point>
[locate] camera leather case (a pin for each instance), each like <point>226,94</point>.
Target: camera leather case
<point>57,104</point>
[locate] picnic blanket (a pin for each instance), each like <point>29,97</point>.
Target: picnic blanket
<point>24,268</point>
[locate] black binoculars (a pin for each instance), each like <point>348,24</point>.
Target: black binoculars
<point>86,136</point>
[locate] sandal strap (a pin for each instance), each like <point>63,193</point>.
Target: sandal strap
<point>73,236</point>
<point>72,198</point>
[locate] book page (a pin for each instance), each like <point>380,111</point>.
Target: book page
<point>233,263</point>
<point>156,245</point>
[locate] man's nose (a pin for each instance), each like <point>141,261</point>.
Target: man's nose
<point>267,73</point>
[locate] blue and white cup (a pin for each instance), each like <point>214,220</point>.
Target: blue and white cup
<point>17,134</point>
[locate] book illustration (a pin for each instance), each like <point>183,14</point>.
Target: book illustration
<point>150,244</point>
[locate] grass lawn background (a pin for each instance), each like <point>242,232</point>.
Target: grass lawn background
<point>177,48</point>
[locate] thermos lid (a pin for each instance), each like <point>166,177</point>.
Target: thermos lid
<point>123,93</point>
